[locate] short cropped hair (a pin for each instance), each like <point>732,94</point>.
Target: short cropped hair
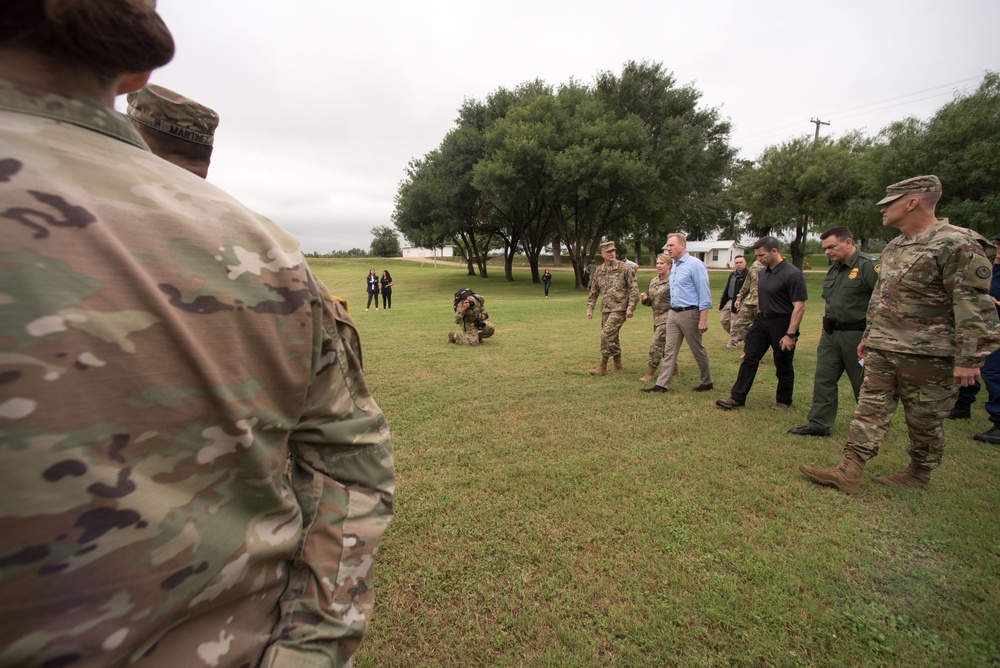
<point>767,243</point>
<point>842,233</point>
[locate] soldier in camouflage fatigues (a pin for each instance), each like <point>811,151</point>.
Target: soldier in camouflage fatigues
<point>470,313</point>
<point>747,306</point>
<point>194,472</point>
<point>658,297</point>
<point>931,324</point>
<point>176,128</point>
<point>616,281</point>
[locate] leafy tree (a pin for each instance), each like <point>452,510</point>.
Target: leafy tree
<point>511,174</point>
<point>600,177</point>
<point>800,186</point>
<point>960,144</point>
<point>688,146</point>
<point>583,163</point>
<point>385,243</point>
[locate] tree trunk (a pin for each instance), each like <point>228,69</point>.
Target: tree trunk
<point>798,243</point>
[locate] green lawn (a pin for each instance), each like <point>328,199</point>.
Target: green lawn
<point>547,517</point>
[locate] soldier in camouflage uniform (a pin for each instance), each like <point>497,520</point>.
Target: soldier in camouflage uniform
<point>931,324</point>
<point>470,313</point>
<point>746,307</point>
<point>658,297</point>
<point>177,129</point>
<point>194,472</point>
<point>616,281</point>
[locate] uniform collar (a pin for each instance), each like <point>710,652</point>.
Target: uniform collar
<point>926,235</point>
<point>76,110</point>
<point>852,261</point>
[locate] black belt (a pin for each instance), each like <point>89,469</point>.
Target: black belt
<point>774,315</point>
<point>831,326</point>
<point>683,308</point>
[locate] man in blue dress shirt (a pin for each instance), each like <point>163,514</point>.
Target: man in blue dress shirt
<point>690,302</point>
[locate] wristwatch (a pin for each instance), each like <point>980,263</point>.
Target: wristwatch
<point>792,336</point>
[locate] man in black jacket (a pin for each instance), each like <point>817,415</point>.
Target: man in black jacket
<point>733,285</point>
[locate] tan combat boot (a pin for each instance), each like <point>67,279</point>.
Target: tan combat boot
<point>618,364</point>
<point>846,477</point>
<point>602,368</point>
<point>915,477</point>
<point>650,374</point>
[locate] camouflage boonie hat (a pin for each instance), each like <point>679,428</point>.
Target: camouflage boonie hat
<point>607,246</point>
<point>164,110</point>
<point>918,184</point>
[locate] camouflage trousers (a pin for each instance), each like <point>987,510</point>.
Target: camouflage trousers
<point>473,336</point>
<point>926,387</point>
<point>656,345</point>
<point>611,323</point>
<point>741,323</point>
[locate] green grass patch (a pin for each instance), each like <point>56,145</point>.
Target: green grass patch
<point>547,517</point>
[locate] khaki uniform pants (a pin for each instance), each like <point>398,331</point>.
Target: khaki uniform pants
<point>683,325</point>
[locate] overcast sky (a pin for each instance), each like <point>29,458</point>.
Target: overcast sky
<point>323,103</point>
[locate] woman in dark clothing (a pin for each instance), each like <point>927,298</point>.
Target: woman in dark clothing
<point>372,288</point>
<point>386,289</point>
<point>547,282</point>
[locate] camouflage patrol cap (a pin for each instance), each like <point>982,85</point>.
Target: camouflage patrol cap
<point>164,110</point>
<point>607,246</point>
<point>918,184</point>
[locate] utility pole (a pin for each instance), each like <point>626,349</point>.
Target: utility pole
<point>818,123</point>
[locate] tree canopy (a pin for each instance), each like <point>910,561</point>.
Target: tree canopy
<point>805,186</point>
<point>634,156</point>
<point>385,243</point>
<point>631,155</point>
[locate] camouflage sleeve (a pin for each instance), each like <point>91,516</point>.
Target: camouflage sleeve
<point>595,290</point>
<point>747,284</point>
<point>872,307</point>
<point>966,273</point>
<point>342,473</point>
<point>633,289</point>
<point>648,301</point>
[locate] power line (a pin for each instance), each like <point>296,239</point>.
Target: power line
<point>898,104</point>
<point>869,107</point>
<point>900,97</point>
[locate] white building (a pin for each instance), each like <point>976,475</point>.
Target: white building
<point>716,254</point>
<point>444,251</point>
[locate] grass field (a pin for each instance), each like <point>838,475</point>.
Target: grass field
<point>547,517</point>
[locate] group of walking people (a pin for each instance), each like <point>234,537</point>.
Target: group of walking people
<point>376,285</point>
<point>914,329</point>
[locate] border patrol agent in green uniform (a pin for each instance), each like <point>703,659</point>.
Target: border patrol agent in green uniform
<point>847,289</point>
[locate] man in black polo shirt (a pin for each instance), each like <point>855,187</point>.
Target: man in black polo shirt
<point>781,293</point>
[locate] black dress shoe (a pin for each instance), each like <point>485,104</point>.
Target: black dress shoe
<point>809,430</point>
<point>960,412</point>
<point>991,436</point>
<point>704,387</point>
<point>655,388</point>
